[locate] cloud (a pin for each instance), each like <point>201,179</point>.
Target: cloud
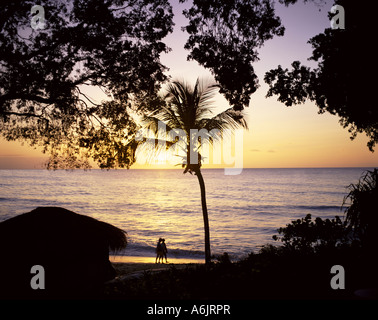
<point>254,150</point>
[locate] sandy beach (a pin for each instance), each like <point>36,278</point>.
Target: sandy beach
<point>126,265</point>
<point>125,269</point>
<point>151,260</point>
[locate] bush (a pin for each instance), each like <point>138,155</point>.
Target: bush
<point>308,236</point>
<point>361,213</point>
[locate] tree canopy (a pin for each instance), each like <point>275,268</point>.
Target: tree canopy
<point>47,74</point>
<point>114,45</point>
<point>342,83</point>
<point>224,37</point>
<point>44,73</point>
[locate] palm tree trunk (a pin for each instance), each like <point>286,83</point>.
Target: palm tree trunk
<point>205,217</point>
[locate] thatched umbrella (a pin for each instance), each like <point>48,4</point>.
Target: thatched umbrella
<point>73,249</point>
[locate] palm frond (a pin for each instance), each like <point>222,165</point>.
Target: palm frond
<point>206,102</point>
<point>151,122</point>
<point>191,107</point>
<point>228,119</point>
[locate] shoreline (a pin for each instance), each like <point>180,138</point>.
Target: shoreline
<point>151,260</point>
<point>132,266</point>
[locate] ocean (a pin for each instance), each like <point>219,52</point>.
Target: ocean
<point>244,210</point>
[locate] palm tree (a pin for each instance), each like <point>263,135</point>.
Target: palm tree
<point>361,214</point>
<point>188,108</point>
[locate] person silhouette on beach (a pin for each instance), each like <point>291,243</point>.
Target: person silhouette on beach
<point>164,249</point>
<point>159,251</point>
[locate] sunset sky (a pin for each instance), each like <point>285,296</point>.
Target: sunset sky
<point>278,136</point>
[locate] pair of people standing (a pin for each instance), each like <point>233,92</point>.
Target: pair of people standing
<point>161,251</point>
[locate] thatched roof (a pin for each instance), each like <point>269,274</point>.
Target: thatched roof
<point>73,248</point>
<point>58,224</point>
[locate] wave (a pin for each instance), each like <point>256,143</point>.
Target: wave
<point>8,199</point>
<point>284,208</point>
<point>315,207</point>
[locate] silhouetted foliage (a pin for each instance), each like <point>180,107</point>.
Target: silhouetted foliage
<point>342,83</point>
<point>186,108</point>
<point>224,259</point>
<point>361,208</point>
<point>289,2</point>
<point>114,46</point>
<point>224,36</point>
<point>263,275</point>
<point>307,236</point>
<point>44,73</point>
